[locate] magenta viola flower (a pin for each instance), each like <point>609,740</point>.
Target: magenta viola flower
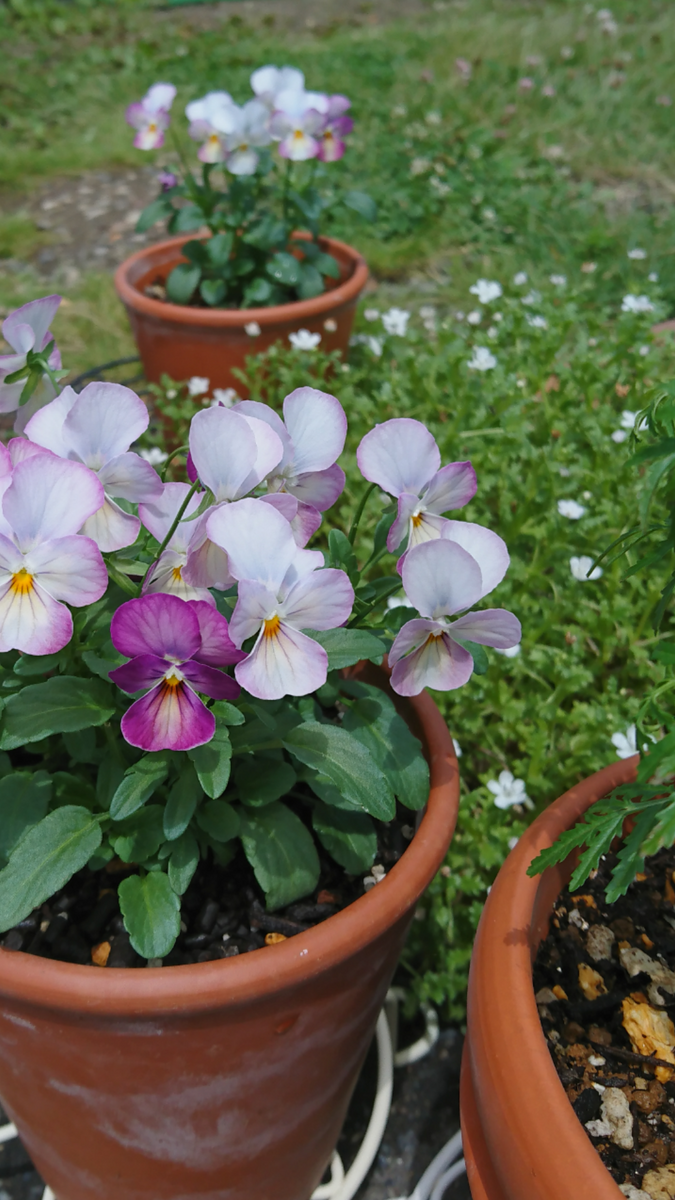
<point>440,579</point>
<point>27,329</point>
<point>402,458</point>
<point>281,592</point>
<point>312,434</point>
<point>96,428</point>
<point>168,573</point>
<point>43,560</point>
<point>150,116</point>
<point>336,128</point>
<point>175,647</point>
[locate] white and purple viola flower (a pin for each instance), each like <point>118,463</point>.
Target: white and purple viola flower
<point>269,82</point>
<point>336,128</point>
<point>282,590</point>
<point>298,123</point>
<point>27,332</point>
<point>150,117</point>
<point>175,648</point>
<point>402,458</point>
<point>167,574</point>
<point>211,120</point>
<point>97,428</point>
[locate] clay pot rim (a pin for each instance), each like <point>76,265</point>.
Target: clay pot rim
<point>229,318</point>
<point>515,1081</point>
<point>201,986</point>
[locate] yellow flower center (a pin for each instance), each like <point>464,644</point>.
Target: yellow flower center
<point>271,626</point>
<point>177,574</point>
<point>244,146</point>
<point>214,140</point>
<point>173,681</point>
<point>328,135</point>
<point>22,583</point>
<point>298,135</point>
<point>417,519</point>
<point>152,127</point>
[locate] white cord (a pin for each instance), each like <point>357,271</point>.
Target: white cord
<point>326,1191</point>
<point>7,1132</point>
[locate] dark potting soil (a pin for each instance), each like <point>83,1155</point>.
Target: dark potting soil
<point>222,912</point>
<point>605,988</point>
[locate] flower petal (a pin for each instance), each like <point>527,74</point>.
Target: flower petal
<point>407,505</point>
<point>258,540</point>
<point>38,314</point>
<point>317,425</point>
<point>285,663</point>
<point>168,577</point>
<point>217,648</point>
<point>492,627</point>
<point>70,569</point>
<point>488,549</point>
<point>262,412</point>
<point>103,422</point>
<point>305,523</point>
<point>45,427</point>
<point>318,488</point>
<point>158,624</point>
<point>50,497</point>
<point>210,681</point>
<point>20,448</point>
<point>130,477</point>
<point>231,452</point>
<point>254,604</point>
<point>400,456</point>
<point>451,487</point>
<point>168,718</point>
<point>159,513</point>
<point>32,621</point>
<point>439,663</point>
<point>111,528</point>
<point>322,600</point>
<point>441,578</point>
<point>206,565</point>
<point>143,671</point>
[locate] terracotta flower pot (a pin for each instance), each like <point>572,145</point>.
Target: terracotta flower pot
<point>181,341</point>
<point>225,1080</point>
<point>522,1139</point>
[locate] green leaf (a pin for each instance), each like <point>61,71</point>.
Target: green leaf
<point>141,835</point>
<point>347,763</point>
<point>327,265</point>
<point>183,862</point>
<point>180,807</point>
<point>362,204</point>
<point>345,647</point>
<point>342,554</point>
<point>262,780</point>
<point>182,283</point>
<point>212,762</point>
<point>284,268</point>
<point>151,911</point>
<point>311,282</point>
<point>481,661</point>
<point>81,745</point>
<point>219,819</point>
<point>23,802</point>
<point>138,785</point>
<point>109,777</point>
<point>219,248</point>
<point>59,705</point>
<point>187,219</point>
<point>45,859</point>
<point>349,837</point>
<point>212,291</point>
<point>258,291</point>
<point>374,721</point>
<point>228,713</point>
<point>158,210</point>
<point>39,664</point>
<point>195,252</point>
<point>282,853</point>
<point>664,653</point>
<point>103,663</point>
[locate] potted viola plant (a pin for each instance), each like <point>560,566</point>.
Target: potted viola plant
<point>204,769</point>
<point>250,262</point>
<point>553,1077</point>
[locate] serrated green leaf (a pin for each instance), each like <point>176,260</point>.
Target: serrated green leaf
<point>140,835</point>
<point>262,780</point>
<point>282,853</point>
<point>151,911</point>
<point>49,854</point>
<point>213,761</point>
<point>347,763</point>
<point>375,722</point>
<point>219,819</point>
<point>138,785</point>
<point>181,804</point>
<point>59,705</point>
<point>349,837</point>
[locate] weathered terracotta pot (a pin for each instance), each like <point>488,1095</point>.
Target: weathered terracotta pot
<point>226,1080</point>
<point>181,341</point>
<point>522,1139</point>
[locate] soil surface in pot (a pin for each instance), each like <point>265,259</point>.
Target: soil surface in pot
<point>605,988</point>
<point>222,912</point>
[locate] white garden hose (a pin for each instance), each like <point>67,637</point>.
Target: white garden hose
<point>343,1185</point>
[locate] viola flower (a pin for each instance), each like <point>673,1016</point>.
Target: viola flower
<point>336,128</point>
<point>158,515</point>
<point>150,116</point>
<point>486,290</point>
<point>210,120</point>
<point>167,180</point>
<point>509,791</point>
<point>43,561</point>
<point>249,130</point>
<point>297,124</point>
<point>281,592</point>
<point>27,329</point>
<point>270,82</point>
<point>96,428</point>
<point>175,647</point>
<point>440,579</point>
<point>304,340</point>
<point>402,458</point>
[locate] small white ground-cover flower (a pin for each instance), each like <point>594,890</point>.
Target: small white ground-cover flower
<point>571,509</point>
<point>225,396</point>
<point>581,566</point>
<point>625,743</point>
<point>511,652</point>
<point>395,321</point>
<point>482,359</point>
<point>619,436</point>
<point>486,290</point>
<point>198,385</point>
<point>304,340</point>
<point>558,280</point>
<point>636,304</point>
<point>643,351</point>
<point>537,322</point>
<point>154,456</point>
<point>653,277</point>
<point>507,791</point>
<point>475,317</point>
<point>520,279</point>
<point>372,314</point>
<point>458,748</point>
<point>252,328</point>
<point>637,253</point>
<point>532,297</point>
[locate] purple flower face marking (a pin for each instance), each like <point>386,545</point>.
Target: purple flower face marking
<point>440,579</point>
<point>402,458</point>
<point>336,128</point>
<point>150,116</point>
<point>175,647</point>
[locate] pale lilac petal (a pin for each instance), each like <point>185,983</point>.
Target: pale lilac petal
<point>262,412</point>
<point>399,456</point>
<point>43,394</point>
<point>111,528</point>
<point>492,627</point>
<point>407,505</point>
<point>305,523</point>
<point>168,578</point>
<point>130,477</point>
<point>488,549</point>
<point>23,337</point>
<point>32,621</point>
<point>103,422</point>
<point>322,600</point>
<point>20,448</point>
<point>45,427</point>
<point>304,563</point>
<point>285,663</point>
<point>269,452</point>
<point>168,718</point>
<point>425,527</point>
<point>284,503</point>
<point>50,497</point>
<point>10,393</point>
<point>162,625</point>
<point>143,671</point>
<point>451,487</point>
<point>255,603</point>
<point>217,648</point>
<point>258,540</point>
<point>317,425</point>
<point>441,578</point>
<point>38,314</point>
<point>159,514</point>
<point>211,682</point>
<point>231,452</point>
<point>11,559</point>
<point>412,635</point>
<point>70,569</point>
<point>440,664</point>
<point>6,465</point>
<point>206,565</point>
<point>320,489</point>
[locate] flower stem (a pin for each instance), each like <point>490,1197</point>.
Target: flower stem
<point>171,456</point>
<point>359,512</point>
<point>174,526</point>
